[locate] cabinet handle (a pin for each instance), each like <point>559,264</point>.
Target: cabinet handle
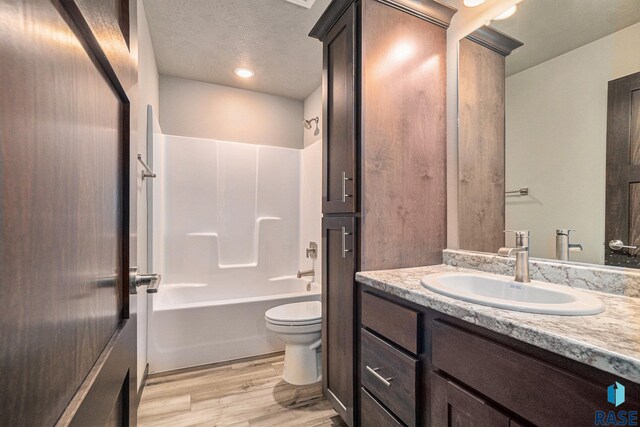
<point>344,243</point>
<point>344,187</point>
<point>383,380</point>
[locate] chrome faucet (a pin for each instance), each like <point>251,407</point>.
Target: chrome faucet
<point>563,247</point>
<point>521,252</point>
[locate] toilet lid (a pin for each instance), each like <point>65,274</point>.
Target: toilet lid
<point>299,313</point>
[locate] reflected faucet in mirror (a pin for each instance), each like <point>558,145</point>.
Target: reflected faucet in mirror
<point>563,246</point>
<point>521,252</point>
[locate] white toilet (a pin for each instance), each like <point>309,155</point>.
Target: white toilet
<point>299,325</point>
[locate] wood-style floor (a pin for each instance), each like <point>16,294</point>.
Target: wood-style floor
<point>243,393</point>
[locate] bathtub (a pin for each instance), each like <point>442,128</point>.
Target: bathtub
<point>193,324</point>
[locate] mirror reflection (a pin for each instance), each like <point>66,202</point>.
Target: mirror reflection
<point>549,131</point>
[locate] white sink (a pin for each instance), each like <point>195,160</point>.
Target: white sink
<point>503,292</point>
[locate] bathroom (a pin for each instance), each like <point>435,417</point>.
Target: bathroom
<point>320,212</point>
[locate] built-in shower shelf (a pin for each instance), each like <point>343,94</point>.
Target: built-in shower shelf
<point>256,243</point>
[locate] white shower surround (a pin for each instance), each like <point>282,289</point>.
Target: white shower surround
<point>226,240</point>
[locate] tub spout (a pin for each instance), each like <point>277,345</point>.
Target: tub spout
<point>306,273</point>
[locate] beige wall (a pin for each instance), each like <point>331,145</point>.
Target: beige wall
<point>147,95</point>
<point>556,143</point>
<point>204,110</point>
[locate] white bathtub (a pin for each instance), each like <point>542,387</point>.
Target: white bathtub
<point>193,324</point>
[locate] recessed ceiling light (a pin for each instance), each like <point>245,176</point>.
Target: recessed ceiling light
<point>245,73</point>
<point>473,3</point>
<point>305,3</point>
<point>507,13</point>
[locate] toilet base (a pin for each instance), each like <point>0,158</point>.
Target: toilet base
<point>301,365</point>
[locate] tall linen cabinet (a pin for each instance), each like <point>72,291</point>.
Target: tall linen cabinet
<point>384,160</point>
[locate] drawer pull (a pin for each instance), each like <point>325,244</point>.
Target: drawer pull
<point>374,371</point>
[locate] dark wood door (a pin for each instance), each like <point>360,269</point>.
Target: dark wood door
<point>454,406</point>
<point>623,171</point>
<point>339,159</point>
<point>338,298</point>
<point>68,341</point>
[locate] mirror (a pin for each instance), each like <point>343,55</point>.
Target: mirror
<point>549,131</point>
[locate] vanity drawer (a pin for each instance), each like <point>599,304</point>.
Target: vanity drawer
<point>536,391</point>
<point>395,322</point>
<point>389,375</point>
<point>373,414</point>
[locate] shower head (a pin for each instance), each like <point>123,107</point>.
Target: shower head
<point>307,123</point>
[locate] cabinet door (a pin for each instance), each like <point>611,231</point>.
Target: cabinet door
<point>454,406</point>
<point>338,290</point>
<point>339,159</point>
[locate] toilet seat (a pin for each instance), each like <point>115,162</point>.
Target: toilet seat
<point>296,314</point>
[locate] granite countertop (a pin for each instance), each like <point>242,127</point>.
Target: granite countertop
<point>609,341</point>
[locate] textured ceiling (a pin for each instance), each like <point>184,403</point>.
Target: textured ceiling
<point>549,28</point>
<point>206,40</point>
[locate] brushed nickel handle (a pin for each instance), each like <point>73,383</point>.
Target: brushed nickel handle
<point>617,245</point>
<point>344,242</point>
<point>344,187</point>
<point>152,281</point>
<point>383,380</point>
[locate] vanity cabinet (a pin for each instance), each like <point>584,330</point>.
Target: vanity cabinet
<point>451,372</point>
<point>384,161</point>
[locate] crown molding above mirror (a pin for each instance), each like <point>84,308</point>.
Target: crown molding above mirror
<point>494,40</point>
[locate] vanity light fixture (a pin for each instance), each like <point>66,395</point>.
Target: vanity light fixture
<point>473,3</point>
<point>507,13</point>
<point>245,73</point>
